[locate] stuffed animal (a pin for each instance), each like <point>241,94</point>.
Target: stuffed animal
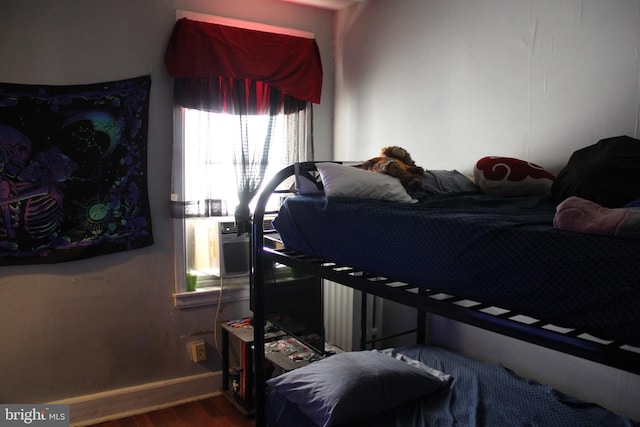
<point>396,161</point>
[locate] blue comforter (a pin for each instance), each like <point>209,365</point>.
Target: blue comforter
<point>496,250</point>
<point>481,394</point>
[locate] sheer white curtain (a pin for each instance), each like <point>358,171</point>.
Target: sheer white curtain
<point>219,151</point>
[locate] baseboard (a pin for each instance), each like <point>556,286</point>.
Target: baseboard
<point>110,405</point>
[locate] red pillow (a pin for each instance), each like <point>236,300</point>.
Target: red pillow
<point>506,176</point>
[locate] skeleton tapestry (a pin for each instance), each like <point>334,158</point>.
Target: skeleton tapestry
<point>73,171</point>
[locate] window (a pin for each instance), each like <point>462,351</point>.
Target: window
<point>209,145</point>
<point>205,185</point>
<point>243,94</point>
<point>210,179</point>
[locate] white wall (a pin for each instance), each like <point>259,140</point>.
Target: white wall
<point>455,80</point>
<point>89,326</point>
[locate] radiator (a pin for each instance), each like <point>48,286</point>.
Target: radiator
<point>342,306</point>
<point>338,315</point>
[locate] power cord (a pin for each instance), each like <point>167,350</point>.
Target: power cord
<point>216,318</point>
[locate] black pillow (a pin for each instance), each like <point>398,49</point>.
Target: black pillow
<point>607,173</point>
<point>308,182</point>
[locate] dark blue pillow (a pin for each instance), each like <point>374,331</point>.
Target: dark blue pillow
<point>356,385</point>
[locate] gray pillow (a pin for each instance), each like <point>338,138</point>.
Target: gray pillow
<point>447,181</point>
<point>356,385</point>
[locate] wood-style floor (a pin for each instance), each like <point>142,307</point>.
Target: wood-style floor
<point>214,412</point>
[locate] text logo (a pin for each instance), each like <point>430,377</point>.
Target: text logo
<point>34,415</point>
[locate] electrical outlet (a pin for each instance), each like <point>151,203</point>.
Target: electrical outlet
<point>197,350</point>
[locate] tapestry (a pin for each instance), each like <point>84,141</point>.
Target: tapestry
<point>73,170</point>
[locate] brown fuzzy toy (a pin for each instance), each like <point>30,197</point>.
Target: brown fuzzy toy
<point>396,161</point>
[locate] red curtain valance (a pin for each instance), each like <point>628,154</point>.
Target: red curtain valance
<point>287,63</point>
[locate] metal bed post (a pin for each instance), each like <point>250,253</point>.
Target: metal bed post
<point>421,322</point>
<point>257,296</point>
<point>363,321</point>
<point>258,271</point>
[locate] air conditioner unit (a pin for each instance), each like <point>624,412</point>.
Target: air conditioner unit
<point>219,250</point>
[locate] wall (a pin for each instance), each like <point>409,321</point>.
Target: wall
<point>105,323</point>
<point>455,80</point>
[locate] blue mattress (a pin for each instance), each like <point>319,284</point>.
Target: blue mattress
<point>500,251</point>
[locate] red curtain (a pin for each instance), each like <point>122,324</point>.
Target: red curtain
<point>233,96</point>
<point>210,62</point>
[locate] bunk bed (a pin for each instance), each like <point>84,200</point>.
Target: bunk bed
<point>496,263</point>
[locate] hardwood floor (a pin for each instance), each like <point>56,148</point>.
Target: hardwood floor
<point>214,412</point>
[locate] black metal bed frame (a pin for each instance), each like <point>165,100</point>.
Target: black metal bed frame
<point>496,319</point>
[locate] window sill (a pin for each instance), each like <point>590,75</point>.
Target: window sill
<point>210,295</point>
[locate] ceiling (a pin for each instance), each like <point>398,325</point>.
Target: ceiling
<point>326,4</point>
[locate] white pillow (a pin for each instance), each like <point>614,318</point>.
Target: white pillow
<point>348,181</point>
